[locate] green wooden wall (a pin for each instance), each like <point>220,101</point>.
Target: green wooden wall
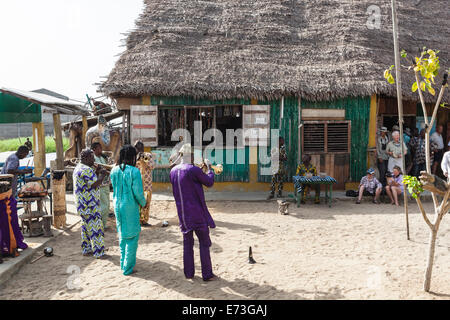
<point>289,131</point>
<point>232,172</point>
<point>358,111</point>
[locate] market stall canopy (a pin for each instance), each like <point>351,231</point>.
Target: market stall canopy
<point>59,105</point>
<point>16,110</point>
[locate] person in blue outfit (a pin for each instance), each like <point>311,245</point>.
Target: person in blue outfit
<point>128,198</point>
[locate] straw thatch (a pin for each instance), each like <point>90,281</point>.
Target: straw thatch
<point>316,49</point>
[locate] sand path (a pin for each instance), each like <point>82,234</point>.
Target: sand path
<point>347,252</point>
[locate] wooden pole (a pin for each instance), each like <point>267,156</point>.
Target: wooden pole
<point>400,102</point>
<point>39,148</point>
<point>59,183</point>
<point>58,141</point>
<point>83,135</point>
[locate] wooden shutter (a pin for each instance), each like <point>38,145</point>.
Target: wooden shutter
<point>326,136</point>
<point>338,137</point>
<point>314,137</point>
<point>256,117</point>
<point>144,125</point>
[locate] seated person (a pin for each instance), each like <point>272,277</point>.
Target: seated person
<point>370,186</point>
<point>12,167</point>
<point>306,167</point>
<point>394,188</point>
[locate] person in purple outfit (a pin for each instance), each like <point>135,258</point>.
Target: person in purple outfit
<point>187,184</point>
<point>11,237</point>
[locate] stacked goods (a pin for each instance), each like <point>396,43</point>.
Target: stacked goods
<point>32,189</point>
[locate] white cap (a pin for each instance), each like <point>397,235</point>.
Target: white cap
<point>186,149</point>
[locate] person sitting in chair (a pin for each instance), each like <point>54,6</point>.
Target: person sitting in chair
<point>304,169</point>
<point>370,186</point>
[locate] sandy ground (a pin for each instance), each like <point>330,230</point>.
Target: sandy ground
<point>347,252</point>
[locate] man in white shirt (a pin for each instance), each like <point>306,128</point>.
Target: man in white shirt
<point>439,141</point>
<point>445,165</point>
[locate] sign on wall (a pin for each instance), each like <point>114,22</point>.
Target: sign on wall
<point>256,125</point>
<point>144,124</point>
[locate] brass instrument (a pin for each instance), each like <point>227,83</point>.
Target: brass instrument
<point>75,161</point>
<point>218,169</point>
<point>107,167</point>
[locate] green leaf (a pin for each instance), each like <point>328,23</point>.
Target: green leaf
<point>423,72</point>
<point>431,90</point>
<point>422,86</point>
<point>403,53</point>
<point>415,86</point>
<point>391,79</point>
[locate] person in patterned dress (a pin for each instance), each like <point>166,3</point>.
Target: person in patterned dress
<point>86,189</point>
<point>145,164</point>
<point>104,188</point>
<point>302,170</point>
<point>278,176</point>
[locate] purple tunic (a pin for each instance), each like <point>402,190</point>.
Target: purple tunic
<point>187,185</point>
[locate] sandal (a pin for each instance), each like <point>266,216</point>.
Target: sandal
<point>358,202</point>
<point>213,278</point>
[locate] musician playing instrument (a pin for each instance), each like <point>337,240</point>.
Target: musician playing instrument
<point>104,188</point>
<point>145,164</point>
<point>187,184</point>
<point>86,183</point>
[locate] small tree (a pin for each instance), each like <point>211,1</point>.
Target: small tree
<point>426,69</point>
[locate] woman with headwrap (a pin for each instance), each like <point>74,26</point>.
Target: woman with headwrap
<point>86,188</point>
<point>128,198</point>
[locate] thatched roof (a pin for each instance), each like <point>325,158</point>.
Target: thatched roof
<point>316,49</point>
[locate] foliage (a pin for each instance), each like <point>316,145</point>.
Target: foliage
<point>415,187</point>
<point>427,67</point>
<point>388,75</point>
<point>14,144</point>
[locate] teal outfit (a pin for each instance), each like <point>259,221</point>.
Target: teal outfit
<point>128,197</point>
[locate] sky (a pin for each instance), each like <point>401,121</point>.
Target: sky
<point>62,45</point>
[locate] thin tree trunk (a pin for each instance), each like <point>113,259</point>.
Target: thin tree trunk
<point>431,250</point>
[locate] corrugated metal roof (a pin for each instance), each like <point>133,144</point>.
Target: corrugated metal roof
<point>60,105</point>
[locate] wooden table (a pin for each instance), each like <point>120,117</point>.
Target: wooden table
<point>315,180</point>
<point>35,223</point>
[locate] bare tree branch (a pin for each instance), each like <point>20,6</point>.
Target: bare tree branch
<point>422,100</point>
<point>436,107</point>
<point>424,215</point>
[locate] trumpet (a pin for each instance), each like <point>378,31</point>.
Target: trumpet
<point>107,167</point>
<point>218,169</point>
